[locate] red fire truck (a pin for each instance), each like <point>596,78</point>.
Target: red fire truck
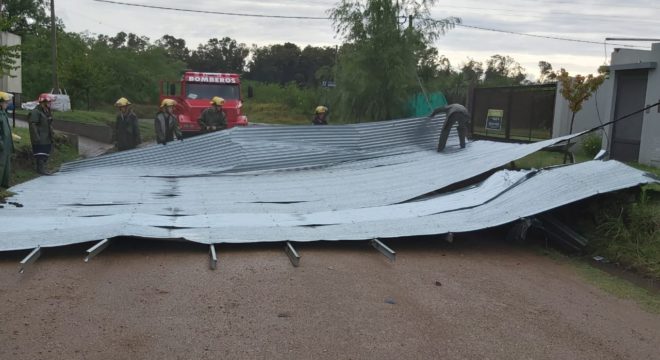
<point>194,92</point>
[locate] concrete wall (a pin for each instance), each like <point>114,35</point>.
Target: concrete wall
<point>600,107</point>
<point>9,83</point>
<point>649,151</point>
<point>595,111</point>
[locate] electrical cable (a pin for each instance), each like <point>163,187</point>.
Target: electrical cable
<point>541,36</point>
<point>214,12</point>
<point>327,18</point>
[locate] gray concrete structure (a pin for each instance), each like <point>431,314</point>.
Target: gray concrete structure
<point>633,83</point>
<point>11,82</point>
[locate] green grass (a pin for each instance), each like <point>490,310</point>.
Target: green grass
<point>271,113</point>
<point>23,163</point>
<point>623,227</point>
<point>614,285</point>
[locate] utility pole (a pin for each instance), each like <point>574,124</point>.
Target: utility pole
<point>53,44</point>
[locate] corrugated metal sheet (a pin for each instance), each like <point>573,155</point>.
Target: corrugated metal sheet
<point>302,183</point>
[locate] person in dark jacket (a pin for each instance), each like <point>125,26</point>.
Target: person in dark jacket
<point>127,132</point>
<point>40,120</point>
<point>320,116</point>
<point>166,124</point>
<point>6,141</point>
<point>213,118</point>
<point>456,113</point>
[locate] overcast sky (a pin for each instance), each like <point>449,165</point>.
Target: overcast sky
<point>575,19</point>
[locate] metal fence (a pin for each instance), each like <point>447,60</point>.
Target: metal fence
<point>517,113</point>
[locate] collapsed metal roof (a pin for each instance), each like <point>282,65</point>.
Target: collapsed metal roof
<point>297,183</point>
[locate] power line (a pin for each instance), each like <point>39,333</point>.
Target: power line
<point>327,18</point>
<point>213,12</point>
<point>546,36</point>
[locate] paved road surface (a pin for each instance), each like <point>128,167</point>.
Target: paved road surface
<point>86,146</point>
<point>469,300</point>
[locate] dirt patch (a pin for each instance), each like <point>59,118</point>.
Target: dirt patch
<point>470,299</point>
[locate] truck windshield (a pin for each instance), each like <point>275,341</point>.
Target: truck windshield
<point>208,91</point>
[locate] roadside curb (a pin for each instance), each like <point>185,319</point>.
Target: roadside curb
<point>100,133</point>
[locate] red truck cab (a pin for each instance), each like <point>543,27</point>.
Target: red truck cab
<point>195,93</point>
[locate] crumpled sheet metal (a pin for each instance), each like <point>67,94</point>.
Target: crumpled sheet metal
<point>361,194</point>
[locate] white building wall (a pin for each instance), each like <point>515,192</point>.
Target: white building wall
<point>11,83</point>
<point>600,107</point>
<point>649,150</point>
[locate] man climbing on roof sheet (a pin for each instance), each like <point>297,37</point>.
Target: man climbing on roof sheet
<point>456,113</point>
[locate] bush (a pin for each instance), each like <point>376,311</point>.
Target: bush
<point>591,145</point>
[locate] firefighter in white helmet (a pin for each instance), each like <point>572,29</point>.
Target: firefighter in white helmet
<point>6,140</point>
<point>213,118</point>
<point>127,131</point>
<point>320,116</point>
<point>166,124</point>
<point>40,120</point>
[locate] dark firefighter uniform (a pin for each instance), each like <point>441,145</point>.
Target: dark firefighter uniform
<point>40,121</point>
<point>166,124</point>
<point>127,132</point>
<point>213,119</point>
<point>6,145</point>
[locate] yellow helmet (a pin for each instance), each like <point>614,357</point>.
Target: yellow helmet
<point>5,96</point>
<point>122,102</point>
<point>217,100</point>
<point>321,109</point>
<point>167,102</point>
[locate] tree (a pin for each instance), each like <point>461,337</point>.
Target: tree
<point>276,63</point>
<point>547,75</point>
<point>502,70</point>
<point>24,16</point>
<point>174,47</point>
<point>376,73</point>
<point>576,90</point>
<point>219,55</point>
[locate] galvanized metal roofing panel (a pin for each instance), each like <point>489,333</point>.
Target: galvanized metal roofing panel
<point>280,183</point>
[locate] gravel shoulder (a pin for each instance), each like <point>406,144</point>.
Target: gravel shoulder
<point>474,299</point>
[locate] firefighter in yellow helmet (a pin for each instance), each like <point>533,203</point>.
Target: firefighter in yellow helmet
<point>320,116</point>
<point>213,118</point>
<point>166,123</point>
<point>6,140</point>
<point>127,131</point>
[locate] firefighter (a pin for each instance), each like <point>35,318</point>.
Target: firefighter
<point>320,116</point>
<point>40,120</point>
<point>127,131</point>
<point>456,113</point>
<point>166,124</point>
<point>213,118</point>
<point>6,141</point>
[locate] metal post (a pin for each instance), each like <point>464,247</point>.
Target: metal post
<point>31,258</point>
<point>389,253</point>
<point>292,254</point>
<point>213,260</point>
<point>53,40</point>
<point>96,249</point>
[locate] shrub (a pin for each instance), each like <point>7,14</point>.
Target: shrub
<point>591,145</point>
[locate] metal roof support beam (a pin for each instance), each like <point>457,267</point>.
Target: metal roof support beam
<point>31,258</point>
<point>389,253</point>
<point>96,249</point>
<point>213,260</point>
<point>292,254</point>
